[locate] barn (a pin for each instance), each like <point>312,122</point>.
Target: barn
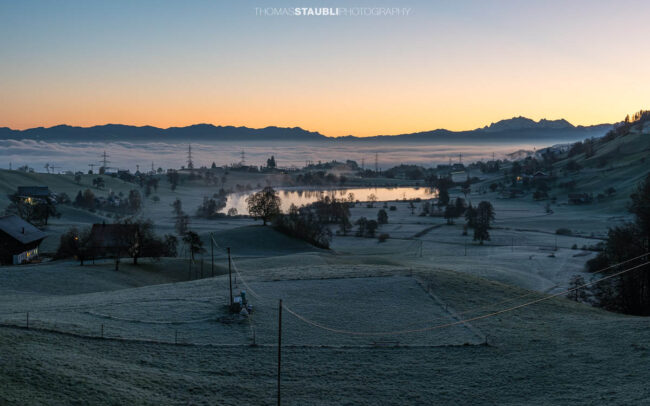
<point>19,240</point>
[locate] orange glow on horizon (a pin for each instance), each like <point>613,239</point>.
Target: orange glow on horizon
<point>455,66</point>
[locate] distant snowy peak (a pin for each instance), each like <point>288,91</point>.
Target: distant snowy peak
<point>523,123</point>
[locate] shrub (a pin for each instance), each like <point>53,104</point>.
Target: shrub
<point>304,224</point>
<point>382,217</point>
<point>211,208</point>
<point>383,237</point>
<point>563,231</point>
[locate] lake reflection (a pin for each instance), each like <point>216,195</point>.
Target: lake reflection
<point>305,197</point>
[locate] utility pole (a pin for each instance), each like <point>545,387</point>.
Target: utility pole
<point>212,253</point>
<point>279,347</point>
<point>230,275</point>
<point>189,269</point>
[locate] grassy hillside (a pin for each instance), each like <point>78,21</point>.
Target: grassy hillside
<point>617,161</point>
<point>620,163</point>
<point>260,241</point>
<point>549,353</point>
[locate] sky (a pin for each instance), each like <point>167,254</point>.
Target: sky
<point>448,64</point>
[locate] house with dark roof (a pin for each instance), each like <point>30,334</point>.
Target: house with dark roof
<point>539,175</point>
<point>33,194</point>
<point>113,238</point>
<point>19,240</point>
<point>580,198</point>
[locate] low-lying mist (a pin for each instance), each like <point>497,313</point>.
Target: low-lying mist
<point>76,156</point>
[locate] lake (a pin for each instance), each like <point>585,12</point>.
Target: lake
<point>301,197</point>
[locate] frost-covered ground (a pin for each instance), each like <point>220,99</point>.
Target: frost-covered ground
<point>555,352</point>
<point>195,312</point>
<point>427,276</point>
<point>523,249</point>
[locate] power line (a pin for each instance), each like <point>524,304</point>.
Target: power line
<point>451,324</point>
<point>455,323</point>
<point>398,332</point>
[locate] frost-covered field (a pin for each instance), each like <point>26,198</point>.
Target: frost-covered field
<point>195,312</point>
<point>555,352</point>
<point>426,275</point>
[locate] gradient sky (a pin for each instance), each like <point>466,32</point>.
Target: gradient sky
<point>450,64</point>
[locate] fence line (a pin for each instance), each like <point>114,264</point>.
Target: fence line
<point>38,325</point>
<point>458,322</point>
<point>186,343</point>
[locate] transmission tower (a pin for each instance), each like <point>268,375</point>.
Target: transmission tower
<point>243,158</point>
<point>376,162</point>
<point>190,163</point>
<point>104,156</point>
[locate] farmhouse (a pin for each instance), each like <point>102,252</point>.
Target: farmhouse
<point>19,240</point>
<point>539,175</point>
<point>579,198</point>
<point>33,194</point>
<point>458,176</point>
<point>113,238</point>
<point>511,193</point>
